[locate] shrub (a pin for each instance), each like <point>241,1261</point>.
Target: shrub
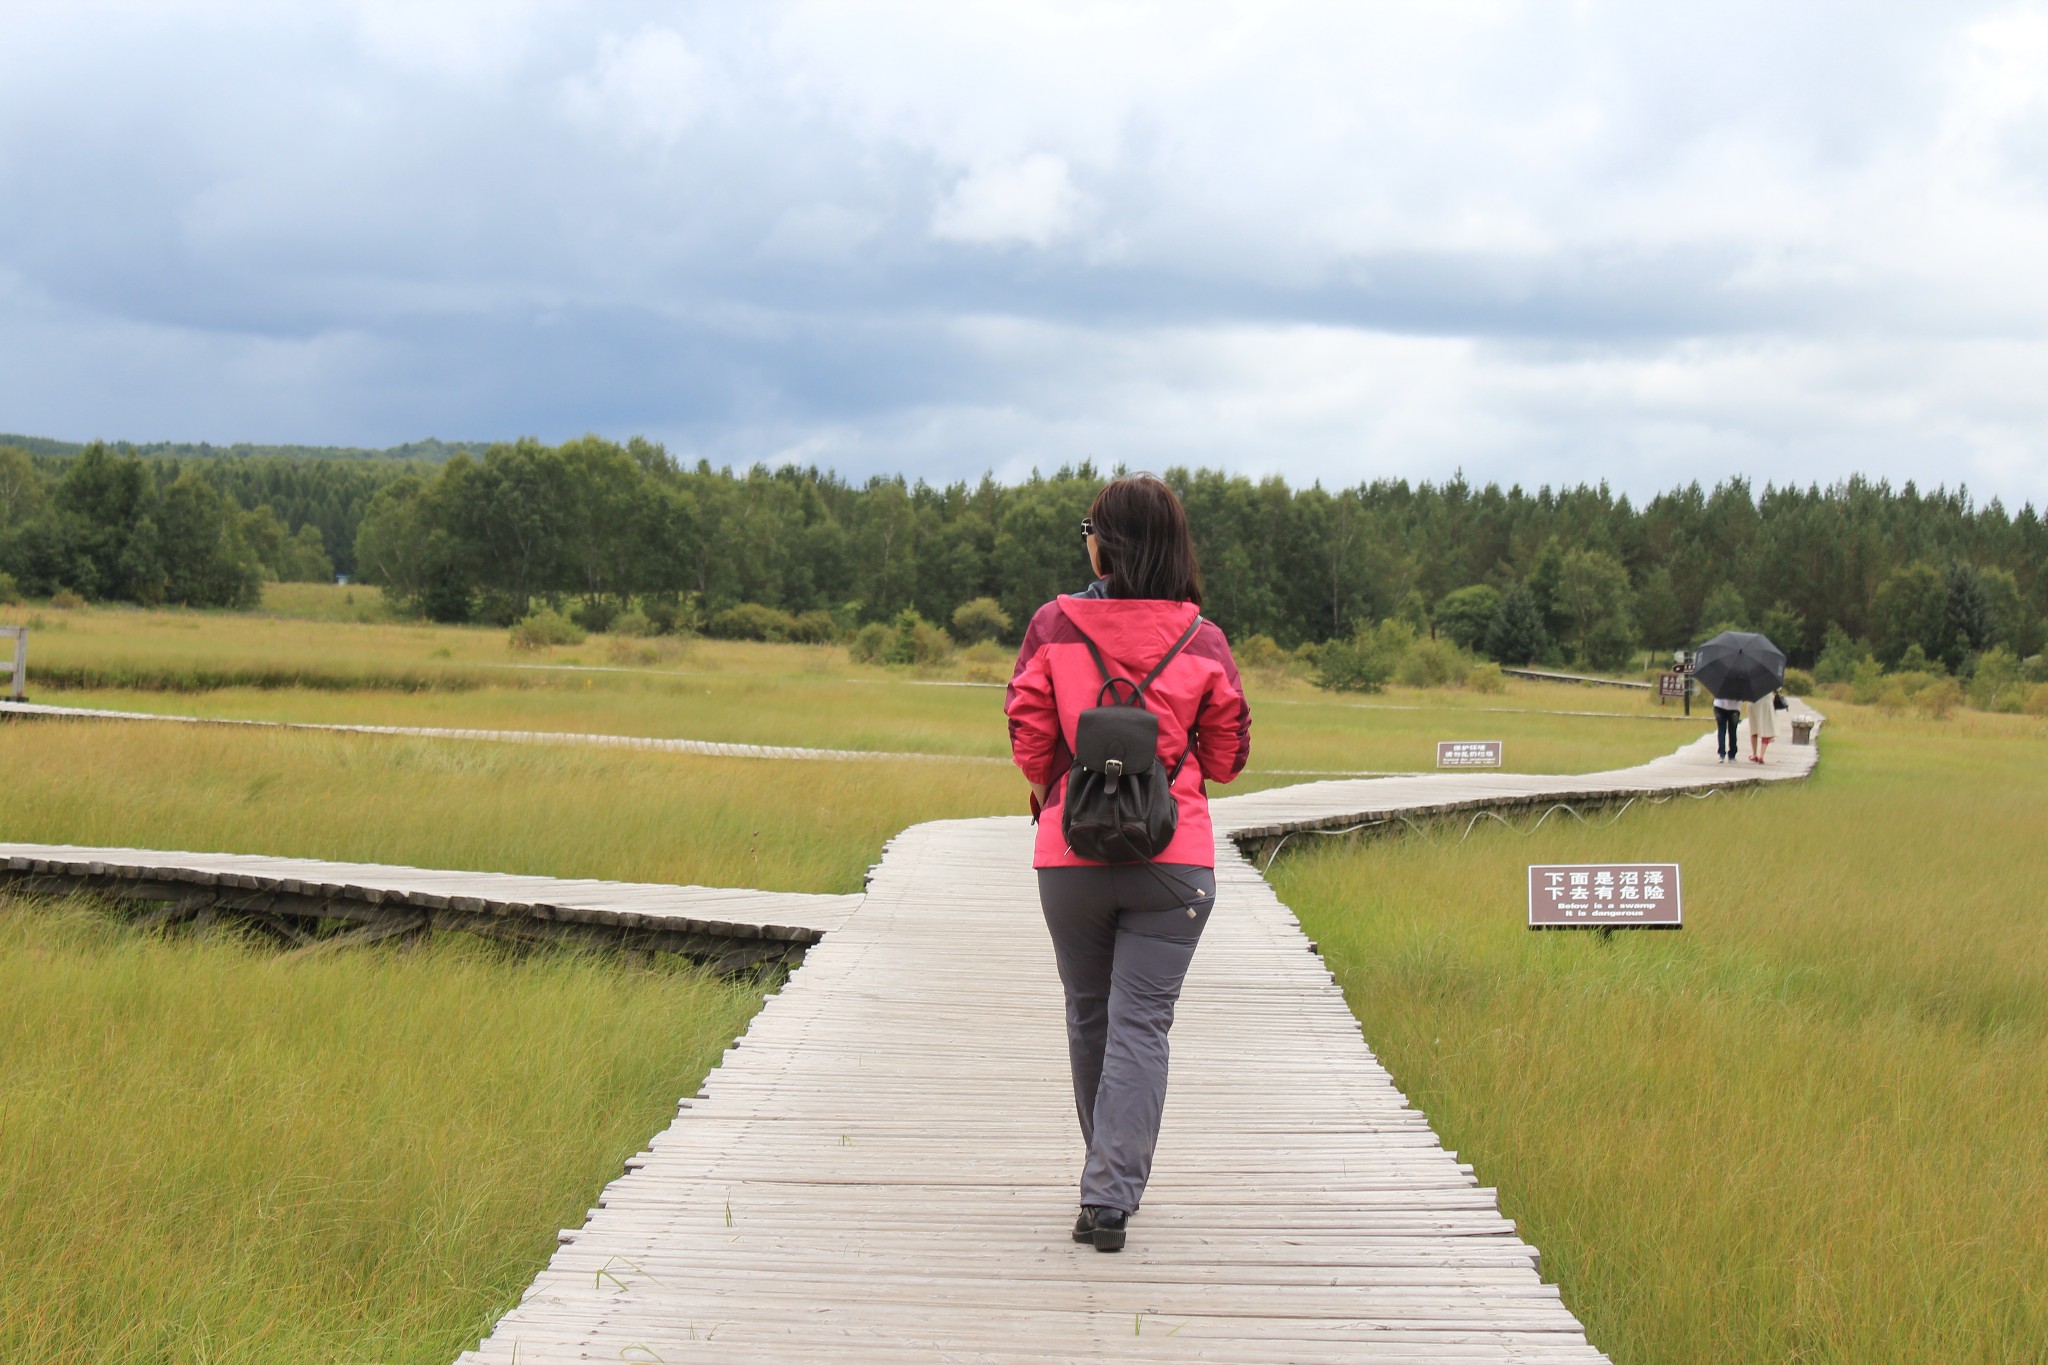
<point>10,591</point>
<point>2036,703</point>
<point>1486,678</point>
<point>632,624</point>
<point>980,618</point>
<point>872,643</point>
<point>1799,682</point>
<point>1366,661</point>
<point>1866,682</point>
<point>66,600</point>
<point>1996,684</point>
<point>1939,699</point>
<point>1915,660</point>
<point>814,628</point>
<point>917,641</point>
<point>2035,668</point>
<point>546,627</point>
<point>1432,663</point>
<point>750,621</point>
<point>1260,651</point>
<point>1839,657</point>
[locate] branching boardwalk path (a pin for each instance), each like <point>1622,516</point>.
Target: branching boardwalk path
<point>731,928</point>
<point>883,1169</point>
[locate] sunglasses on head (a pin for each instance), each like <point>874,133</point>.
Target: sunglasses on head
<point>1087,527</point>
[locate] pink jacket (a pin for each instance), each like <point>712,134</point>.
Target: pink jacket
<point>1198,694</point>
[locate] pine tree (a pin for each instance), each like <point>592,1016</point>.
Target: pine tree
<point>1517,635</point>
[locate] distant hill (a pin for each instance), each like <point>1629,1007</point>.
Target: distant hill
<point>430,450</point>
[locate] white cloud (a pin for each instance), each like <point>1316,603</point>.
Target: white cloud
<point>461,40</point>
<point>1543,239</point>
<point>1031,200</point>
<point>647,89</point>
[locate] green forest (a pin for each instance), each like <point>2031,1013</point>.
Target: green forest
<point>591,527</point>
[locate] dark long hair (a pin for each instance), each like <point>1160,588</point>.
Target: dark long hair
<point>1141,532</point>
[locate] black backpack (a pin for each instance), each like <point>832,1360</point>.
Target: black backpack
<point>1119,805</point>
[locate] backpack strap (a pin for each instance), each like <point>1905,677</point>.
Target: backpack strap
<point>1187,635</point>
<point>1110,680</point>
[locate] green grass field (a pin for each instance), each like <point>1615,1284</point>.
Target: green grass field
<point>293,669</point>
<point>1807,1127</point>
<point>565,812</point>
<point>1804,1128</point>
<point>212,1155</point>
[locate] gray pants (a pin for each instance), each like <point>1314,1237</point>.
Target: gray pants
<point>1124,936</point>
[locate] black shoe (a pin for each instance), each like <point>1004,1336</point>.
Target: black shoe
<point>1084,1226</point>
<point>1108,1232</point>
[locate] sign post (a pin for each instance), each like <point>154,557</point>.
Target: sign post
<point>17,664</point>
<point>1468,753</point>
<point>1604,896</point>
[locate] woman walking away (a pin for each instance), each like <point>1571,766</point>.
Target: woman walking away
<point>1727,714</point>
<point>1763,725</point>
<point>1124,925</point>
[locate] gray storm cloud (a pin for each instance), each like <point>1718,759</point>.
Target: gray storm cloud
<point>1542,242</point>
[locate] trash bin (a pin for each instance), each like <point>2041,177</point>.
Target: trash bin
<point>1802,731</point>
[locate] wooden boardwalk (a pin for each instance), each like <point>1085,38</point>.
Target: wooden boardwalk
<point>1259,820</point>
<point>884,1168</point>
<point>728,927</point>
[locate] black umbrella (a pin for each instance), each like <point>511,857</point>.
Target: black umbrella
<point>1740,666</point>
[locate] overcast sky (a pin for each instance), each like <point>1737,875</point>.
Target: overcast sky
<point>1543,243</point>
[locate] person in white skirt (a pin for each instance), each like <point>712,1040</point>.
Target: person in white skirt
<point>1763,726</point>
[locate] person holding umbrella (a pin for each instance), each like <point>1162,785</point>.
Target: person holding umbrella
<point>1727,715</point>
<point>1737,666</point>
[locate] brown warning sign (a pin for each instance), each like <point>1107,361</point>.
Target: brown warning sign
<point>1468,753</point>
<point>1604,896</point>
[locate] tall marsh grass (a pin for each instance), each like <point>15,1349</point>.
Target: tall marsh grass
<point>564,812</point>
<point>213,1155</point>
<point>1808,1126</point>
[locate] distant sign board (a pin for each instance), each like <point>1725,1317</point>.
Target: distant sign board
<point>1604,896</point>
<point>14,660</point>
<point>1468,753</point>
<point>1671,684</point>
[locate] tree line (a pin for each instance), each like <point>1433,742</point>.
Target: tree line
<point>124,528</point>
<point>595,528</point>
